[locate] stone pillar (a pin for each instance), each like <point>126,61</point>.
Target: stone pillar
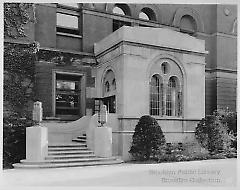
<point>37,111</point>
<point>36,143</point>
<point>103,142</point>
<point>103,135</point>
<point>37,137</point>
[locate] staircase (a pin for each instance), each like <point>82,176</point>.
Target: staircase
<point>75,154</point>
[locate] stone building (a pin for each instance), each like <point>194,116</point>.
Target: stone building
<point>174,62</point>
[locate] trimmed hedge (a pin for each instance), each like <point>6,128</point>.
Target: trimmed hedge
<point>147,139</point>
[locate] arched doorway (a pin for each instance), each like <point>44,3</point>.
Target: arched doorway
<point>109,91</point>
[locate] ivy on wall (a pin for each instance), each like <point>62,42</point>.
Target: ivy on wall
<point>19,76</point>
<point>65,58</point>
<point>18,58</point>
<point>16,16</point>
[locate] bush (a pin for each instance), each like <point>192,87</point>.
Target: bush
<point>230,119</point>
<point>172,152</point>
<point>147,139</point>
<point>14,141</point>
<point>212,134</point>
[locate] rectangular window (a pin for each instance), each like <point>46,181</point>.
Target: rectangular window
<point>67,20</point>
<point>67,94</point>
<point>118,24</point>
<point>67,23</point>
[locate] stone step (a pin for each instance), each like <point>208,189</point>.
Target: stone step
<point>82,137</point>
<point>60,165</point>
<point>56,149</point>
<point>79,140</point>
<point>68,160</point>
<point>62,154</point>
<point>67,145</point>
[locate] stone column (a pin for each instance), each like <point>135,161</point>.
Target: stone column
<point>103,135</point>
<point>37,137</point>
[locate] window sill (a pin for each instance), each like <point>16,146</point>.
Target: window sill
<point>167,117</point>
<point>69,35</point>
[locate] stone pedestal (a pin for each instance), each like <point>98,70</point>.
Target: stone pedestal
<point>36,143</point>
<point>103,142</point>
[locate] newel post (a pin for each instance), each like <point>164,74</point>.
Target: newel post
<point>36,136</point>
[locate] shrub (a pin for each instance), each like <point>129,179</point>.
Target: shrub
<point>212,134</point>
<point>147,139</point>
<point>172,152</point>
<point>230,119</point>
<point>14,143</point>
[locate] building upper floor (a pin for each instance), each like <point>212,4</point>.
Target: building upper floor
<point>76,27</point>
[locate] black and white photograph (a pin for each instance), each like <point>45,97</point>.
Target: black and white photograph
<point>119,94</point>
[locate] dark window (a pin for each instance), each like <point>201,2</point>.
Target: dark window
<point>147,14</point>
<point>188,25</point>
<point>67,94</point>
<point>118,24</point>
<point>122,9</point>
<point>110,102</point>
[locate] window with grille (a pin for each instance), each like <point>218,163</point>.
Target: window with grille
<point>155,95</point>
<point>171,97</point>
<point>165,99</point>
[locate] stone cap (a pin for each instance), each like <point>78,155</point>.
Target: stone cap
<point>162,37</point>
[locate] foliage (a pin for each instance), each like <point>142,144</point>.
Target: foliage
<point>18,59</point>
<point>14,143</point>
<point>147,139</point>
<point>18,81</point>
<point>16,15</point>
<point>212,134</point>
<point>19,75</point>
<point>178,152</point>
<point>230,119</point>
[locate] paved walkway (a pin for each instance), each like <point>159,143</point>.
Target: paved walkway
<point>195,173</point>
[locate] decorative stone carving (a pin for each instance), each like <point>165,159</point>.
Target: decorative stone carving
<point>37,111</point>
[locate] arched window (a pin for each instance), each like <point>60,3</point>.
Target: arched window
<point>122,9</point>
<point>109,91</point>
<point>107,86</point>
<point>117,10</point>
<point>144,16</point>
<point>147,14</point>
<point>114,84</point>
<point>155,95</point>
<point>188,24</point>
<point>173,97</point>
<point>166,89</point>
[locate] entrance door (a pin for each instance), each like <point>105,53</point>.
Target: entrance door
<point>110,103</point>
<point>68,91</point>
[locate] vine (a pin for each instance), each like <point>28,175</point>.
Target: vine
<point>18,58</point>
<point>16,16</point>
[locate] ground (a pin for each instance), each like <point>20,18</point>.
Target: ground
<point>221,172</point>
